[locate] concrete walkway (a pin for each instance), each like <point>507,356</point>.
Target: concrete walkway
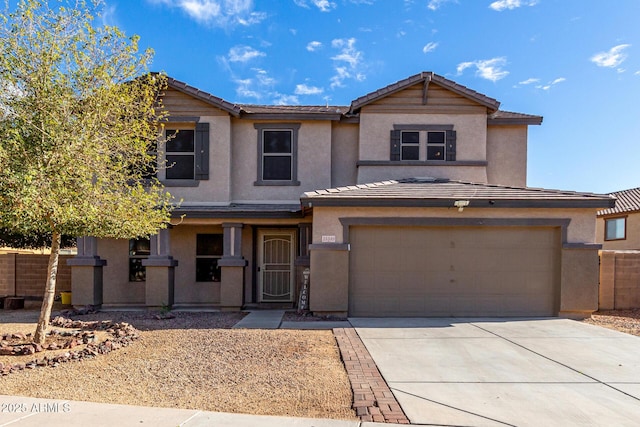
<point>30,412</point>
<point>272,319</point>
<point>506,372</point>
<point>261,319</point>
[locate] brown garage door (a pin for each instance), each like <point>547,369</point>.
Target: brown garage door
<point>454,271</point>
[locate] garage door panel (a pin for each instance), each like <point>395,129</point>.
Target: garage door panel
<point>453,271</point>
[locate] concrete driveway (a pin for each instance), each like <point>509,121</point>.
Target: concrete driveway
<point>507,372</point>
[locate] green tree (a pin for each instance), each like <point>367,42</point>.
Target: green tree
<point>79,113</point>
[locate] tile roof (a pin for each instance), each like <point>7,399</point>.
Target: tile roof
<point>334,112</point>
<point>508,117</point>
<point>308,109</point>
<point>240,210</point>
<point>443,192</point>
<point>626,201</point>
<point>490,103</point>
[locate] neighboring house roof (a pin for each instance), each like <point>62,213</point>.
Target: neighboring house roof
<point>425,77</point>
<point>626,201</point>
<point>232,109</point>
<point>432,192</point>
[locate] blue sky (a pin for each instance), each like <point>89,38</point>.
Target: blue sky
<point>575,62</point>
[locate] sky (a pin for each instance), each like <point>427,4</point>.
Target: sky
<point>574,62</point>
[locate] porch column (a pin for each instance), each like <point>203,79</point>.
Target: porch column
<point>232,266</point>
<point>160,271</point>
<point>86,273</point>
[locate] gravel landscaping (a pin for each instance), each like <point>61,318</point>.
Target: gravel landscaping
<point>627,321</point>
<point>195,361</point>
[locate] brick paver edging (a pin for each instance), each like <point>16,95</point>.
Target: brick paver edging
<point>372,398</point>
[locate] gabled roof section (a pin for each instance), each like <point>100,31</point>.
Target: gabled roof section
<point>626,201</point>
<point>432,192</point>
<point>220,103</point>
<point>425,77</point>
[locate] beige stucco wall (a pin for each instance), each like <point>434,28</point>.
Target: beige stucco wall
<point>632,242</point>
<point>507,155</point>
<point>314,162</point>
<point>344,154</point>
<point>471,133</point>
<point>326,220</point>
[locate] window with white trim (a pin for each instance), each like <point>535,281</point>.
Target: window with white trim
<point>410,145</point>
<point>615,228</point>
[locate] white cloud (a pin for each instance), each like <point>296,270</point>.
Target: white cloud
<point>612,58</point>
<point>490,69</point>
<point>435,4</point>
<point>551,83</point>
<point>501,5</point>
<point>220,13</point>
<point>429,47</point>
<point>257,87</point>
<point>347,63</point>
<point>282,99</point>
<point>322,5</point>
<point>243,54</point>
<point>313,46</point>
<point>529,81</point>
<point>303,89</point>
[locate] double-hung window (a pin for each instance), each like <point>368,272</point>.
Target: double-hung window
<point>186,153</point>
<point>277,154</point>
<point>436,146</point>
<point>410,149</point>
<point>208,253</point>
<point>180,154</point>
<point>615,228</point>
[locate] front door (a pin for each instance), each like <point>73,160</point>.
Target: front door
<point>276,254</point>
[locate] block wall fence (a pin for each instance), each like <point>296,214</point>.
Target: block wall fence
<point>619,280</point>
<point>25,275</point>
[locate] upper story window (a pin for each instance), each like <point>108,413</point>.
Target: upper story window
<point>423,143</point>
<point>615,228</point>
<point>410,146</point>
<point>436,147</point>
<point>277,154</point>
<point>180,154</point>
<point>186,153</point>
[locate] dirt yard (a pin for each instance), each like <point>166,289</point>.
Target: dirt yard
<point>195,361</point>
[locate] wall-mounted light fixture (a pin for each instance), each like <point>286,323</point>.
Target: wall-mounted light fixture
<point>460,204</point>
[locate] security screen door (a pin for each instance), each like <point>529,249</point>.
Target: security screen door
<point>276,265</point>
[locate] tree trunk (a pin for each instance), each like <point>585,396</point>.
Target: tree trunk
<point>50,290</point>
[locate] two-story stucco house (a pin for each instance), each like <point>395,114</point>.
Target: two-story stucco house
<point>411,201</point>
